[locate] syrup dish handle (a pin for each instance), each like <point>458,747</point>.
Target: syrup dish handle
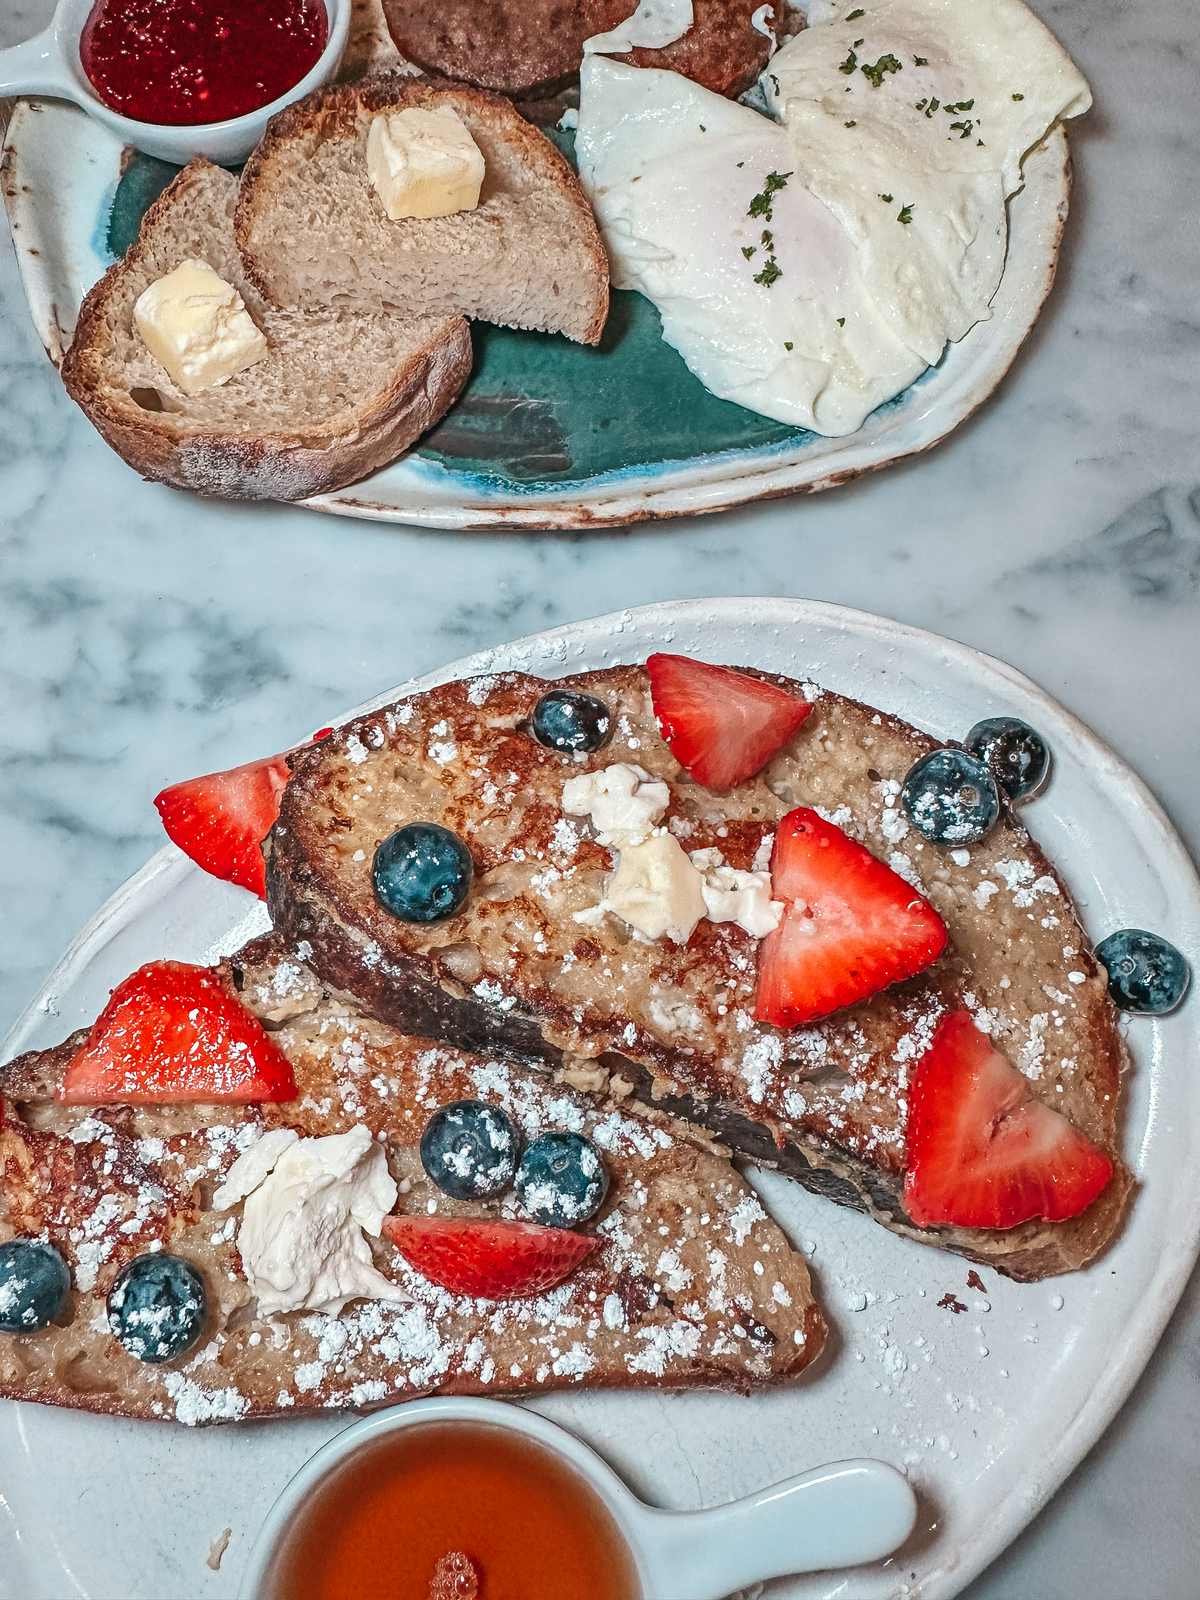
<point>841,1515</point>
<point>36,67</point>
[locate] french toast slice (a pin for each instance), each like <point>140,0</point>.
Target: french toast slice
<point>525,967</point>
<point>690,1285</point>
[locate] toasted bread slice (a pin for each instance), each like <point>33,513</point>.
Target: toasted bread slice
<point>515,968</point>
<point>521,48</point>
<point>675,1295</point>
<point>337,397</point>
<point>529,256</point>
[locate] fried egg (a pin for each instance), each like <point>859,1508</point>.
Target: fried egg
<point>811,267</point>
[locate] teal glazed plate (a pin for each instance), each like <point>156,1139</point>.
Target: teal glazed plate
<point>547,434</point>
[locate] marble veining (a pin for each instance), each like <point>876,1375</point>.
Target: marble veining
<point>145,635</point>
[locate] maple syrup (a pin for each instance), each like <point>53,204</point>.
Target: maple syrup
<point>439,1504</point>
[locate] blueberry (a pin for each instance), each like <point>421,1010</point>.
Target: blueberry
<point>1015,752</point>
<point>469,1149</point>
<point>422,873</point>
<point>951,797</point>
<point>562,1179</point>
<point>1145,972</point>
<point>157,1307</point>
<point>566,721</point>
<point>33,1285</point>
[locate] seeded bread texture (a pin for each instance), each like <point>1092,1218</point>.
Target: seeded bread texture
<point>518,970</point>
<point>529,47</point>
<point>691,1284</point>
<point>313,232</point>
<point>338,396</point>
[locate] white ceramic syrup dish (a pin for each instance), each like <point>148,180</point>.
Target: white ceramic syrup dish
<point>841,1515</point>
<point>49,64</point>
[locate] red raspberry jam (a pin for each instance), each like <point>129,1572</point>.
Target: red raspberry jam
<point>195,61</point>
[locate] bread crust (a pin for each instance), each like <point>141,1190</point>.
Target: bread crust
<point>274,465</point>
<point>334,112</point>
<point>155,1167</point>
<point>534,49</point>
<point>848,1145</point>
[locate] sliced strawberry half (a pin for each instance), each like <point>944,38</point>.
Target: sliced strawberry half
<point>221,819</point>
<point>983,1151</point>
<point>721,726</point>
<point>851,925</point>
<point>486,1259</point>
<point>172,1033</point>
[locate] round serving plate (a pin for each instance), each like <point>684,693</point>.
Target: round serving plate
<point>547,434</point>
<point>987,1410</point>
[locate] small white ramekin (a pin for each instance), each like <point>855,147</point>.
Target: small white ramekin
<point>49,65</point>
<point>834,1516</point>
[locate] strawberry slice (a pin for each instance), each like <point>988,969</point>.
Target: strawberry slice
<point>722,726</point>
<point>851,926</point>
<point>983,1152</point>
<point>172,1033</point>
<point>221,819</point>
<point>486,1259</point>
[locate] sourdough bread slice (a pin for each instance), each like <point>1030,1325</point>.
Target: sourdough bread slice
<point>525,965</point>
<point>313,232</point>
<point>338,396</point>
<point>674,1296</point>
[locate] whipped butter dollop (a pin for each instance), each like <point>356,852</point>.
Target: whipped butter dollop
<point>308,1205</point>
<point>622,802</point>
<point>656,888</point>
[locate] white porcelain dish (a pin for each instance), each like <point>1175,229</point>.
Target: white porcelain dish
<point>49,64</point>
<point>841,1515</point>
<point>987,1412</point>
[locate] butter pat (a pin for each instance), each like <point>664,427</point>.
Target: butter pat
<point>424,163</point>
<point>197,328</point>
<point>307,1204</point>
<point>656,889</point>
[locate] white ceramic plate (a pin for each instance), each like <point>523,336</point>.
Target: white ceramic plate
<point>547,434</point>
<point>988,1411</point>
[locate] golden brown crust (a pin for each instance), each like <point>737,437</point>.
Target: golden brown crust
<point>334,113</point>
<point>825,1104</point>
<point>273,465</point>
<point>107,1183</point>
<point>534,49</point>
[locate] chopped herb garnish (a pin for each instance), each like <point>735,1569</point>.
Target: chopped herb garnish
<point>858,43</point>
<point>741,163</point>
<point>920,61</point>
<point>905,214</point>
<point>920,105</point>
<point>787,344</point>
<point>853,16</point>
<point>963,129</point>
<point>980,143</point>
<point>703,129</point>
<point>887,199</point>
<point>774,80</point>
<point>768,238</point>
<point>1018,97</point>
<point>760,206</point>
<point>875,74</point>
<point>932,106</point>
<point>841,322</point>
<point>849,64</point>
<point>768,274</point>
<point>962,105</point>
<point>748,250</point>
<point>850,124</point>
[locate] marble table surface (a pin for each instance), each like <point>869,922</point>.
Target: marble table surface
<point>145,635</point>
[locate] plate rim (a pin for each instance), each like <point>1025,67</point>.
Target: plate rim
<point>601,506</point>
<point>1176,1260</point>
